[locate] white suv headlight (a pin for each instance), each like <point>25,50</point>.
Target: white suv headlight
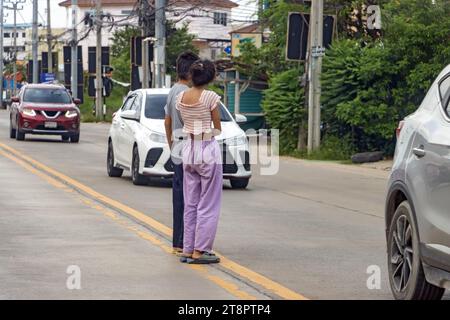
<point>158,138</point>
<point>237,141</point>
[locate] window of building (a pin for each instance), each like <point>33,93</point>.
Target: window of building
<point>7,35</point>
<point>221,18</point>
<point>127,12</point>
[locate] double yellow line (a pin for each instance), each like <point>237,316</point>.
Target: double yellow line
<point>62,181</point>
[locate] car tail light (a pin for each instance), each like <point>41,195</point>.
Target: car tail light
<point>399,128</point>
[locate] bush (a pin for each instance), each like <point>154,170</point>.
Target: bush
<point>368,87</point>
<point>357,95</point>
<point>334,148</point>
<point>283,105</point>
<point>113,103</point>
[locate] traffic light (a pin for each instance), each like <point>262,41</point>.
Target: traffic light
<point>297,40</point>
<point>298,32</point>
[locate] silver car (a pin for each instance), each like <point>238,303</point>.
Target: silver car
<point>418,200</point>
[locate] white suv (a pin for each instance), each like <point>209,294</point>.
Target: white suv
<point>137,141</point>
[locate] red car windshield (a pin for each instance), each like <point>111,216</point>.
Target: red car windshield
<point>39,95</point>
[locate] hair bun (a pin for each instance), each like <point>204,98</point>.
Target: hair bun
<point>198,66</point>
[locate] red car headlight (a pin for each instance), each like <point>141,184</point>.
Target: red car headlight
<point>29,112</point>
<point>71,114</point>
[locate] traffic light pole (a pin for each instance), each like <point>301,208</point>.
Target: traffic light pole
<point>315,70</point>
<point>49,38</point>
<point>35,41</point>
<point>74,48</point>
<point>98,58</point>
<point>146,31</point>
<point>1,52</point>
<point>160,33</point>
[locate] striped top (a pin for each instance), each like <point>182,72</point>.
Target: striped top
<point>197,117</point>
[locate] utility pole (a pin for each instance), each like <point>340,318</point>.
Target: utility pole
<point>35,42</point>
<point>74,47</point>
<point>99,78</point>
<point>146,24</point>
<point>49,38</point>
<point>160,33</point>
<point>15,50</point>
<point>315,90</point>
<point>1,52</point>
<point>16,5</point>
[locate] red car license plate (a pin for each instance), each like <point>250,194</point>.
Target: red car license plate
<point>51,125</point>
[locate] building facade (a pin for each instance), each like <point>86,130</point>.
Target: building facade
<point>209,21</point>
<point>21,41</point>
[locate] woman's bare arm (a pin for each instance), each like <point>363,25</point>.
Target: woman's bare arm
<point>216,120</point>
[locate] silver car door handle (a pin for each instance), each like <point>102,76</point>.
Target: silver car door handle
<point>419,152</point>
<point>122,126</point>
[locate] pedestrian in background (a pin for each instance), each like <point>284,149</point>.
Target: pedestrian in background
<point>202,163</point>
<point>174,126</point>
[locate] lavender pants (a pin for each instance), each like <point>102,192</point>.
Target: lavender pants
<point>202,185</point>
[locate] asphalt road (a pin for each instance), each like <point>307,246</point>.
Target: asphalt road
<point>314,227</point>
<point>49,235</point>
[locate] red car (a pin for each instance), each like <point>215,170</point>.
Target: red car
<point>47,110</point>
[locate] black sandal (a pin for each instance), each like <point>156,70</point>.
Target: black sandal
<point>206,258</point>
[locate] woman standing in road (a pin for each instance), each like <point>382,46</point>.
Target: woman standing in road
<point>202,166</point>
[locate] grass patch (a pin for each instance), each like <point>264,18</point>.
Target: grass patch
<point>331,149</point>
<point>113,103</point>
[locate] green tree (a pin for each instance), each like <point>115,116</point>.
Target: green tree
<point>283,105</point>
<point>178,40</point>
<point>270,59</point>
<point>121,52</point>
<point>369,86</point>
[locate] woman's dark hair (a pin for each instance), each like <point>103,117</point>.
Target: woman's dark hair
<point>203,72</point>
<point>184,63</point>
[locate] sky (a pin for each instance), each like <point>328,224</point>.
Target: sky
<point>26,15</point>
<point>245,12</point>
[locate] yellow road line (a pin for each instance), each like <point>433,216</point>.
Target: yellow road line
<point>270,285</point>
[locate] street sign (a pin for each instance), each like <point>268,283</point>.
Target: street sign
<point>47,77</point>
<point>318,52</point>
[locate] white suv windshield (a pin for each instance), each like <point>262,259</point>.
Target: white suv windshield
<point>155,103</point>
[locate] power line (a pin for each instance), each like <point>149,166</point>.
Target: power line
<point>16,5</point>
